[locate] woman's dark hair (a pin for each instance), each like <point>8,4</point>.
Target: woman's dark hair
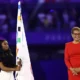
<point>1,41</point>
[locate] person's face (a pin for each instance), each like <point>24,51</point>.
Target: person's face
<point>76,35</point>
<point>5,45</point>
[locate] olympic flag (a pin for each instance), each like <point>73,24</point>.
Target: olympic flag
<point>22,50</point>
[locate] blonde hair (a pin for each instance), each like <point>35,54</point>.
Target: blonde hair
<point>75,29</point>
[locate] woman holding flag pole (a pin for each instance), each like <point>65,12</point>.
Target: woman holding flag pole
<point>7,62</point>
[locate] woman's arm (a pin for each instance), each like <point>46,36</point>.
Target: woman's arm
<point>66,57</point>
<point>17,68</point>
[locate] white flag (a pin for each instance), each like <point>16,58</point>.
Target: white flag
<point>22,50</point>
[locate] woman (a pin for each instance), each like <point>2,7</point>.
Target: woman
<point>72,55</point>
<point>7,62</point>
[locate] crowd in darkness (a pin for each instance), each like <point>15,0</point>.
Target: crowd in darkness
<point>54,19</point>
<point>43,19</point>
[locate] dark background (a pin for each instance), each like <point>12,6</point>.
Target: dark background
<point>48,27</point>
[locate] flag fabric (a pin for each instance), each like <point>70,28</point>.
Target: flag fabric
<point>22,50</point>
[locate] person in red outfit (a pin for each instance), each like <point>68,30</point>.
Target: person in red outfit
<point>72,55</point>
